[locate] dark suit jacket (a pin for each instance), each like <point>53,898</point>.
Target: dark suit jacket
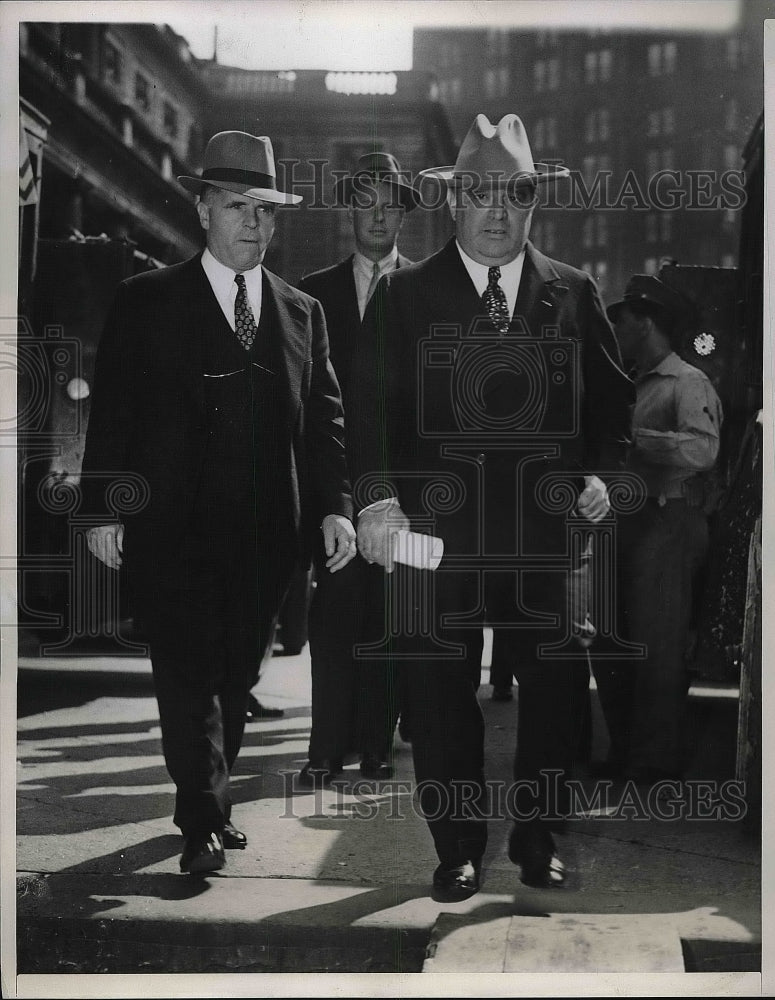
<point>334,287</point>
<point>152,409</point>
<point>448,406</point>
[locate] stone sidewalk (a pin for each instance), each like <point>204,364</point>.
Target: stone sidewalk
<point>337,881</point>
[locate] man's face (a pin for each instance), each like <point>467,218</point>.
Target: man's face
<point>376,228</point>
<point>492,224</point>
<point>238,229</point>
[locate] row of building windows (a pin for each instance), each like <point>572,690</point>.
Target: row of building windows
<point>597,125</point>
<point>143,94</point>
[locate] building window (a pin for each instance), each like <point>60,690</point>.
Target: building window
<point>111,63</point>
<point>605,64</point>
<point>653,125</point>
<point>539,76</point>
<point>650,265</point>
<point>652,162</point>
<point>604,124</point>
<point>731,157</point>
<point>728,260</point>
<point>731,116</point>
<point>588,233</point>
<point>590,132</point>
<point>590,67</point>
<point>662,58</point>
<point>553,77</point>
<point>668,121</point>
<point>170,120</point>
<point>669,57</point>
<point>504,79</point>
<point>734,53</point>
<point>602,230</point>
<point>651,228</point>
<point>142,92</point>
<point>551,133</point>
<point>489,83</point>
<point>455,90</point>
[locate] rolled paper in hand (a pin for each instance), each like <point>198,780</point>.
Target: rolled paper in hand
<point>420,551</point>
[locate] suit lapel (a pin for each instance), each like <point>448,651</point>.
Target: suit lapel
<point>538,291</point>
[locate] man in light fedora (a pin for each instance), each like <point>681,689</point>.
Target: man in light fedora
<point>491,384</point>
<point>354,703</point>
<point>213,387</point>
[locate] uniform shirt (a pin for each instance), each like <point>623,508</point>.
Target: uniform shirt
<point>675,427</point>
<point>511,274</point>
<point>363,269</point>
<point>224,287</point>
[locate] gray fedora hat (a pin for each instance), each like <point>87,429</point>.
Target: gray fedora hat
<point>242,163</point>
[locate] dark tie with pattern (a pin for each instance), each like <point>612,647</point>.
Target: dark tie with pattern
<point>244,323</point>
<point>494,301</point>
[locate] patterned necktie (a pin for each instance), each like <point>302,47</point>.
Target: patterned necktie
<point>494,301</point>
<point>244,323</point>
<point>373,282</point>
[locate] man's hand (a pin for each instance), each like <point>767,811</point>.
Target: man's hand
<point>593,501</point>
<point>377,527</point>
<point>106,543</point>
<point>339,540</point>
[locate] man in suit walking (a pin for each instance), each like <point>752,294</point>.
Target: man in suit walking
<point>494,404</point>
<point>214,392</point>
<point>354,700</point>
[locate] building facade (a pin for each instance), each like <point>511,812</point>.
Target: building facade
<point>652,125</point>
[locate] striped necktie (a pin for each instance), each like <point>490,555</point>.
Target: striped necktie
<point>244,323</point>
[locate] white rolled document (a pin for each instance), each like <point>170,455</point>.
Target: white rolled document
<point>420,551</point>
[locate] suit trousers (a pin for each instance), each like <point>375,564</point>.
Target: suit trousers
<point>437,622</point>
<point>355,701</point>
<point>207,637</point>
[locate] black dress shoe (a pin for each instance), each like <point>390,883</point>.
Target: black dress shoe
<point>454,883</point>
<point>256,710</point>
<point>233,839</point>
<point>202,853</point>
<point>374,768</point>
<point>531,846</point>
<point>319,774</point>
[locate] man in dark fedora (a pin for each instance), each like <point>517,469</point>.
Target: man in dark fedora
<point>354,701</point>
<point>491,385</point>
<point>676,428</point>
<point>213,388</point>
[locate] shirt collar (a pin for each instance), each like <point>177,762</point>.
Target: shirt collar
<point>388,262</point>
<point>222,277</point>
<point>510,273</point>
<point>671,364</point>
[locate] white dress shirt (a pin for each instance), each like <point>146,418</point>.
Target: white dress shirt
<point>511,275</point>
<point>224,286</point>
<point>363,269</point>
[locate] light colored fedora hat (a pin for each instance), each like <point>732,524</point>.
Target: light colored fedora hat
<point>242,163</point>
<point>496,154</point>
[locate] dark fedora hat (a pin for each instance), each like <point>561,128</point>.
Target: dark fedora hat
<point>372,169</point>
<point>647,288</point>
<point>242,163</point>
<point>496,154</point>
